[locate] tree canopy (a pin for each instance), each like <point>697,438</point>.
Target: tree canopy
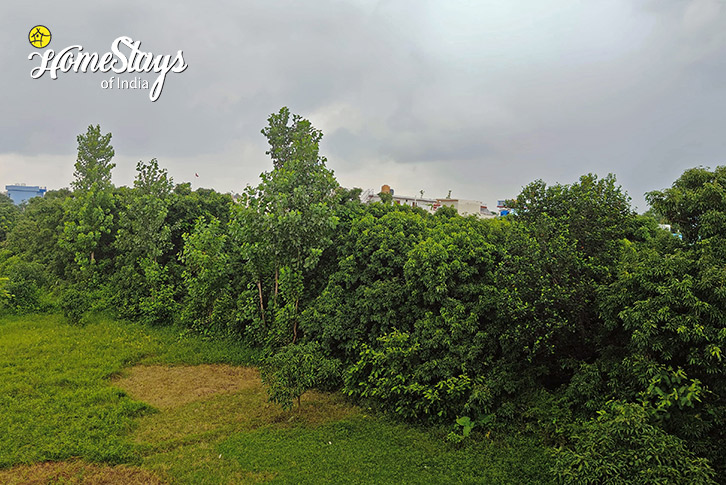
<point>573,318</point>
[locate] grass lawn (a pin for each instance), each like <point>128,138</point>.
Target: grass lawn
<point>141,405</point>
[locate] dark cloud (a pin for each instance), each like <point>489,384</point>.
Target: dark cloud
<point>480,98</point>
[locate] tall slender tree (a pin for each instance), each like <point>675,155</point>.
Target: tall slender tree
<point>292,214</point>
<point>93,164</point>
<point>89,214</point>
<point>143,231</point>
<point>289,140</point>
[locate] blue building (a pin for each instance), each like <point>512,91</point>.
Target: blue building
<point>503,208</point>
<point>21,193</point>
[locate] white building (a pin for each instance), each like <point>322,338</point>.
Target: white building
<point>463,207</point>
<point>466,207</point>
<point>369,196</point>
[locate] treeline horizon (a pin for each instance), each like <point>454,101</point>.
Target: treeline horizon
<point>574,319</point>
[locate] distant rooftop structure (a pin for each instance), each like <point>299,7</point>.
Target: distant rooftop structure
<point>19,193</point>
<point>462,206</point>
<point>414,201</point>
<point>466,207</point>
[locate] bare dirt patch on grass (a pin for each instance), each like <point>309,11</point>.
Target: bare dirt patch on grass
<point>168,387</point>
<point>198,402</point>
<point>77,472</point>
<point>201,406</point>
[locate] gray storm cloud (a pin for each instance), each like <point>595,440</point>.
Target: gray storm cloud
<point>477,97</point>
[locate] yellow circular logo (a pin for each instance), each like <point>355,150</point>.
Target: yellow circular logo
<point>39,36</point>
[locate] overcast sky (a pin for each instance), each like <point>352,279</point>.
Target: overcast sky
<point>477,97</point>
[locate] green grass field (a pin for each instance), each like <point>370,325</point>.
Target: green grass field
<point>72,395</point>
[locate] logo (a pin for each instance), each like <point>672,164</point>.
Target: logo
<point>39,36</point>
<point>125,57</point>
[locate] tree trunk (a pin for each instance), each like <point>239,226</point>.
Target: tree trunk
<point>277,273</point>
<point>262,304</point>
<point>294,326</point>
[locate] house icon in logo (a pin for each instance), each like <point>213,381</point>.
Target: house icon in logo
<point>39,36</point>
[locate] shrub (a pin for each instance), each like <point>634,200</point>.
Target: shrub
<point>4,293</point>
<point>620,446</point>
<point>75,303</point>
<point>295,369</point>
<point>24,284</point>
<point>159,306</point>
<point>393,376</point>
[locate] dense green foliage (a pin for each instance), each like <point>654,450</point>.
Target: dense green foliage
<point>295,369</point>
<point>537,321</point>
<point>620,446</point>
<point>8,216</point>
